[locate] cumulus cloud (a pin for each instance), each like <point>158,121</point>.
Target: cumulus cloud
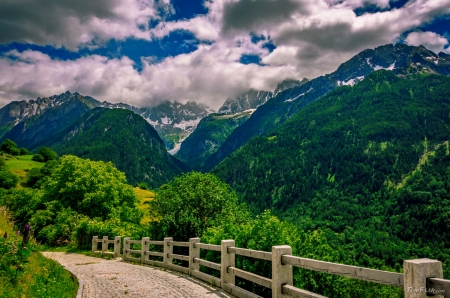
<point>312,37</point>
<point>71,23</point>
<point>208,75</point>
<point>430,40</point>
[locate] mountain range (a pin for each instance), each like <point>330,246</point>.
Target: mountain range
<point>30,122</point>
<point>207,138</point>
<point>123,138</point>
<point>401,59</point>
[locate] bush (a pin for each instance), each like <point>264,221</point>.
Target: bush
<point>14,151</point>
<point>8,145</point>
<point>33,177</point>
<point>24,151</point>
<point>88,228</point>
<point>143,185</point>
<point>48,154</point>
<point>12,258</point>
<point>8,179</point>
<point>38,158</point>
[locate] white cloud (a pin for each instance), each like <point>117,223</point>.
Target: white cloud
<point>208,75</point>
<point>430,40</point>
<point>312,37</point>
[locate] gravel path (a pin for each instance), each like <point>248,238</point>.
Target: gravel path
<point>115,278</point>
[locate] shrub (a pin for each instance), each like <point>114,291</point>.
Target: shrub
<point>38,158</point>
<point>14,151</point>
<point>143,185</point>
<point>33,176</point>
<point>24,151</point>
<point>8,179</point>
<point>48,154</point>
<point>8,145</point>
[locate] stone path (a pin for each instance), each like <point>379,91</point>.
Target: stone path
<point>115,278</point>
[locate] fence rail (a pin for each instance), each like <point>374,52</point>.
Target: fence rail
<point>376,276</point>
<point>420,277</point>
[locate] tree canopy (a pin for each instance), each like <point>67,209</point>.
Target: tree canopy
<point>189,204</point>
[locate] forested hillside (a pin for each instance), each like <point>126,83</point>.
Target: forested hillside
<point>368,162</point>
<point>209,135</point>
<point>125,139</point>
<point>402,59</point>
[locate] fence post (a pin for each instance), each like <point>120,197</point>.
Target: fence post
<point>145,247</point>
<point>126,248</point>
<point>94,243</point>
<point>281,274</point>
<point>227,259</point>
<point>117,242</point>
<point>105,244</point>
<point>416,273</point>
<point>168,249</point>
<point>194,252</point>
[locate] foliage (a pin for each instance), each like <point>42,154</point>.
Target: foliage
<point>123,138</point>
<point>8,179</point>
<point>7,146</point>
<point>33,177</point>
<point>47,153</point>
<point>24,151</point>
<point>77,190</point>
<point>354,163</point>
<point>38,157</point>
<point>26,273</point>
<point>189,204</point>
<point>210,134</point>
<point>143,185</point>
<point>36,176</point>
<point>265,231</point>
<point>12,258</point>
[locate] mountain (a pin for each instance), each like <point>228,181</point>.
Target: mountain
<point>402,59</point>
<point>125,139</point>
<point>287,84</point>
<point>210,133</point>
<point>214,129</point>
<point>173,121</point>
<point>368,165</point>
<point>31,122</point>
<point>248,100</point>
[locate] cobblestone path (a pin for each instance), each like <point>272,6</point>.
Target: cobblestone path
<point>115,278</point>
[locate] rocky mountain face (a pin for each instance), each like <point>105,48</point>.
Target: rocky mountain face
<point>173,121</point>
<point>402,60</point>
<point>209,135</point>
<point>248,100</point>
<point>123,138</point>
<point>31,122</point>
<point>287,84</point>
<point>214,129</point>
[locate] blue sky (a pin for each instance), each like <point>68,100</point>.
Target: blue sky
<point>144,51</point>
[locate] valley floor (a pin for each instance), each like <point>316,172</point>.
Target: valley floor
<point>114,278</point>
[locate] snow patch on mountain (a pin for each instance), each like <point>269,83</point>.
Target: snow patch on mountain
<point>188,125</point>
<point>298,96</point>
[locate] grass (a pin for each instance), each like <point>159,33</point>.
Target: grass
<point>19,165</point>
<point>144,196</point>
<point>41,277</point>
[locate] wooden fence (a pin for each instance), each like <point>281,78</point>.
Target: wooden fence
<point>420,278</point>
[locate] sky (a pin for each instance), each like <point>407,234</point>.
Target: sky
<point>142,52</point>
